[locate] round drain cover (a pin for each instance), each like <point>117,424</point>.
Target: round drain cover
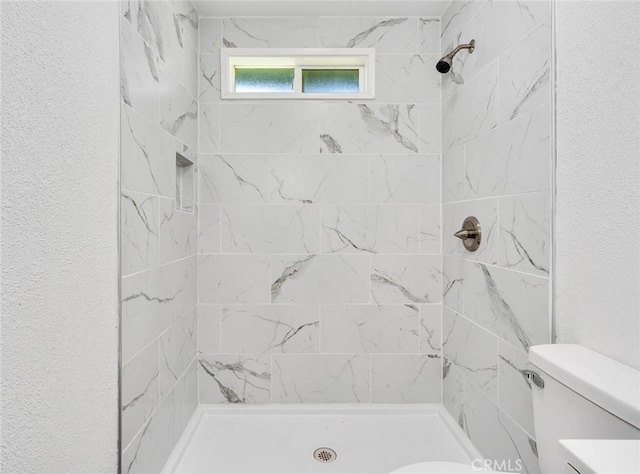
<point>325,455</point>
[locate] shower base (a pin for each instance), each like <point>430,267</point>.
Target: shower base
<point>282,439</point>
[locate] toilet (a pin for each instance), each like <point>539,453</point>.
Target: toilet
<point>577,394</point>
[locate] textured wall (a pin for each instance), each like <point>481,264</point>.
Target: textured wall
<point>158,84</point>
<point>59,231</point>
<point>319,237</point>
<point>598,175</point>
<point>496,166</point>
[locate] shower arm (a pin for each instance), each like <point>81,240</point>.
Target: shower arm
<point>470,46</point>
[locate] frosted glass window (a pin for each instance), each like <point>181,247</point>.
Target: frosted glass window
<point>330,80</point>
<point>264,79</point>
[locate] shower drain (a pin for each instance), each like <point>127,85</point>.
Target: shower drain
<point>325,455</point>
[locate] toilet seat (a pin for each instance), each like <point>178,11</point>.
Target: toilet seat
<point>439,468</point>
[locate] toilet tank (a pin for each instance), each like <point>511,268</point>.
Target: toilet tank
<point>585,396</point>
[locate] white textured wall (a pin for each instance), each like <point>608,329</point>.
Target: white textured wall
<point>598,177</point>
<point>59,229</point>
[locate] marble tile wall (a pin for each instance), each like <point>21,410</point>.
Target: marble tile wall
<point>496,136</point>
<point>319,249</point>
<point>159,103</point>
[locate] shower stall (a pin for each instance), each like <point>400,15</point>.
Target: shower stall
<point>290,276</point>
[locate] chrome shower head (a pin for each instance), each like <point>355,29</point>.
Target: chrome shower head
<point>444,64</point>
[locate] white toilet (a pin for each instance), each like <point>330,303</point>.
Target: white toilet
<point>577,394</point>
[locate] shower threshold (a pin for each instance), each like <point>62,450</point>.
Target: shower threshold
<point>292,439</point>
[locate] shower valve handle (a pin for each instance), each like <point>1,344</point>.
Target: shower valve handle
<point>466,234</point>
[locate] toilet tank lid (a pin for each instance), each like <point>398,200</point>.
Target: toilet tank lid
<point>610,384</point>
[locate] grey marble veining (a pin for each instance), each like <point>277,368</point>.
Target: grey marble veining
<point>139,232</point>
<point>270,32</point>
<point>261,329</point>
<point>234,379</point>
<point>512,305</point>
<point>320,279</point>
<point>327,378</point>
<point>472,350</point>
<point>430,328</point>
<point>370,229</point>
<point>406,378</point>
<point>386,35</point>
<point>405,179</point>
<point>233,178</point>
<point>306,179</point>
<point>369,328</point>
<point>525,233</point>
<point>369,128</point>
<point>407,279</point>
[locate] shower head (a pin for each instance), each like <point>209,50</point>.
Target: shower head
<point>444,64</point>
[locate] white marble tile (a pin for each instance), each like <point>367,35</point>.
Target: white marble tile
<point>178,232</point>
<point>453,177</point>
<point>430,228</point>
<point>138,232</point>
<point>401,179</point>
<point>383,228</point>
<point>407,79</point>
<point>369,128</point>
<point>495,434</point>
<point>187,18</point>
<point>149,450</point>
<point>208,228</point>
<point>525,74</point>
<point>320,378</point>
<point>430,328</point>
<point>190,71</point>
<point>405,279</point>
<point>514,389</point>
<point>140,393</point>
<point>139,79</point>
<point>179,115</point>
<point>178,348</point>
<point>472,350</point>
<point>386,35</point>
<point>320,279</point>
<point>309,179</point>
<point>515,158</point>
<point>453,391</point>
<point>148,156</point>
<point>453,282</point>
<point>153,300</point>
<point>269,128</point>
<point>524,225</point>
<point>233,178</point>
<point>369,328</point>
<point>453,216</point>
<point>235,378</point>
<point>233,279</point>
<point>258,329</point>
<point>210,32</point>
<point>247,32</point>
<point>512,305</point>
<point>209,123</point>
<point>269,229</point>
<point>473,110</point>
<point>209,79</point>
<point>429,35</point>
<point>430,117</point>
<point>208,328</point>
<point>456,16</point>
<point>406,378</point>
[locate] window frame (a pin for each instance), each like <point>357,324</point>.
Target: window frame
<point>362,59</point>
